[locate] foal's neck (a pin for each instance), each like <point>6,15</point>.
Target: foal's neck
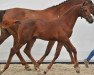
<point>65,6</point>
<point>70,16</point>
<point>61,7</point>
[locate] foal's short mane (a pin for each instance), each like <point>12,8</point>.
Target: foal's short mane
<point>60,4</point>
<point>72,8</point>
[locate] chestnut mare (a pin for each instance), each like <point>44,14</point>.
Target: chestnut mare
<point>42,29</point>
<point>51,14</point>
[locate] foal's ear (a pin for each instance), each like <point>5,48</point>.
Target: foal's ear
<point>84,3</point>
<point>17,22</point>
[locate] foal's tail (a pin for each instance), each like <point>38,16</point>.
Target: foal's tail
<point>2,12</point>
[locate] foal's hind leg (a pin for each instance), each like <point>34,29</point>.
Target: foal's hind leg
<point>27,67</point>
<point>58,50</point>
<point>27,52</point>
<point>13,51</point>
<point>48,49</point>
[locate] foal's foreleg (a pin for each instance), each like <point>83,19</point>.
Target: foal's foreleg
<point>70,47</point>
<point>48,49</point>
<point>71,55</point>
<point>58,50</point>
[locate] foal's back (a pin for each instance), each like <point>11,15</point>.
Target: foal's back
<point>48,30</point>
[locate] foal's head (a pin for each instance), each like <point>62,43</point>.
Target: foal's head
<point>85,13</point>
<point>90,6</point>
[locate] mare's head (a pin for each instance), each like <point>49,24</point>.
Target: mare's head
<point>85,13</point>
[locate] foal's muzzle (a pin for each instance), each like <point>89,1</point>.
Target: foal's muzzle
<point>90,19</point>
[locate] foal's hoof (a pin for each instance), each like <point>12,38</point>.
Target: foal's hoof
<point>45,72</point>
<point>28,68</point>
<point>77,71</point>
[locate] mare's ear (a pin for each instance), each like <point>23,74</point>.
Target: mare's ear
<point>17,22</point>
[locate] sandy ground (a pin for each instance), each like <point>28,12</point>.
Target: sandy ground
<point>57,69</point>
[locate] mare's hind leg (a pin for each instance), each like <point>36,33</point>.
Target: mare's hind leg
<point>58,50</point>
<point>13,51</point>
<point>48,49</point>
<point>28,50</point>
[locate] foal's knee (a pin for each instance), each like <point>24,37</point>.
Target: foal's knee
<point>57,54</point>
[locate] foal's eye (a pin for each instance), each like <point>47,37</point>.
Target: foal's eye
<point>85,10</point>
<point>90,1</point>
